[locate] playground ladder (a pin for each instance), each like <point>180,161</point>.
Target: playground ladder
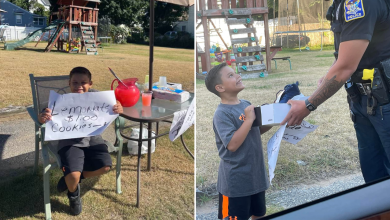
<point>88,38</point>
<point>254,52</point>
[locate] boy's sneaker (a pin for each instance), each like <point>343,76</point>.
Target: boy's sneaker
<point>75,202</point>
<point>61,185</point>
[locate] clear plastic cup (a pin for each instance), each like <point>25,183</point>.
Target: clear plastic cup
<point>162,81</point>
<point>147,98</point>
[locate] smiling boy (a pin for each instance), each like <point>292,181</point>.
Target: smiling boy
<point>80,157</point>
<point>242,176</point>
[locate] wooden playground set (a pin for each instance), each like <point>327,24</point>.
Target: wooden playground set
<point>246,49</point>
<point>72,29</point>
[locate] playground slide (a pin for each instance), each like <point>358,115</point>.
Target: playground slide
<point>31,36</point>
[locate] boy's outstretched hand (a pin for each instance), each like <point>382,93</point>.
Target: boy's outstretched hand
<point>118,109</point>
<point>44,116</point>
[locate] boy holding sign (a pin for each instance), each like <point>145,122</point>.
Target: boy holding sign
<point>242,175</point>
<point>80,157</point>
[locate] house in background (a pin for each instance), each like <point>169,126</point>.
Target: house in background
<point>45,3</point>
<point>17,16</point>
<point>189,24</point>
<point>1,11</point>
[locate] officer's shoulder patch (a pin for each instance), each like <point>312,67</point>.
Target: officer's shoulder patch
<point>353,9</point>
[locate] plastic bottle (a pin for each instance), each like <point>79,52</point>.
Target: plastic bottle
<point>146,85</point>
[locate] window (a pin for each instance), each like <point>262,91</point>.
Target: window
<point>183,28</point>
<point>18,19</point>
<point>38,21</point>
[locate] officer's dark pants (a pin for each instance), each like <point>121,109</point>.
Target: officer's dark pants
<point>373,136</point>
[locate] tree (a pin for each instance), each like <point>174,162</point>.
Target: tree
<point>54,7</point>
<point>165,15</point>
<point>127,12</point>
<point>120,33</point>
<point>25,4</point>
<point>39,9</point>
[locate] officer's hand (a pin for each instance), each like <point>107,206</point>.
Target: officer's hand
<point>250,113</point>
<point>296,114</point>
<point>320,81</point>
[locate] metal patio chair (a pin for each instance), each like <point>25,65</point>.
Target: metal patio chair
<point>41,87</point>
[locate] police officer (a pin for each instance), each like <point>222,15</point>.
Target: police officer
<point>362,43</point>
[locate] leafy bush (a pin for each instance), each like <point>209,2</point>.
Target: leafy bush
<point>119,33</point>
<point>186,42</point>
<point>136,37</point>
<point>183,40</point>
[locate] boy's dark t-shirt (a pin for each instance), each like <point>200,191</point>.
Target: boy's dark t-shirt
<point>243,172</point>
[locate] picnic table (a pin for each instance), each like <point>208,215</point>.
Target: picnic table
<point>106,38</point>
<point>273,50</point>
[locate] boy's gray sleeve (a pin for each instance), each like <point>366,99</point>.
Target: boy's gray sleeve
<point>224,127</point>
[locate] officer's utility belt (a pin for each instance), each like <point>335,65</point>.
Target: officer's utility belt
<point>363,88</point>
<point>374,83</point>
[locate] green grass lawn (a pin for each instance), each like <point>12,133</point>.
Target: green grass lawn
<point>127,60</point>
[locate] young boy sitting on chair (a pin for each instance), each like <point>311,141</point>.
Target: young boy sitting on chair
<point>80,157</point>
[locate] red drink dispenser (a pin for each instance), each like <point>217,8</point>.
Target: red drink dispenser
<point>127,96</point>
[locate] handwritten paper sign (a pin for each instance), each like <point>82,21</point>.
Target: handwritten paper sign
<point>79,115</point>
<point>294,134</point>
<point>291,134</point>
<point>182,120</point>
<point>273,147</point>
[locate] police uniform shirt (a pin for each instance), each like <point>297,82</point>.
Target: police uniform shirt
<point>366,20</point>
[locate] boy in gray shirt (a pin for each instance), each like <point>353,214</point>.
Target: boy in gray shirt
<point>242,175</point>
<point>80,157</point>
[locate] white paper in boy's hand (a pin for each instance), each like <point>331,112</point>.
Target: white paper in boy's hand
<point>273,147</point>
<point>294,134</point>
<point>79,115</point>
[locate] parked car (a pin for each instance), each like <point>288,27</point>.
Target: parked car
<point>179,39</point>
<point>170,34</point>
<point>183,34</point>
<point>174,35</point>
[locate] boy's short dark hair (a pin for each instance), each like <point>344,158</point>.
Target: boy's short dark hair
<point>80,70</point>
<point>214,78</point>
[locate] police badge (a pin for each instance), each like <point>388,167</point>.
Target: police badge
<point>353,9</point>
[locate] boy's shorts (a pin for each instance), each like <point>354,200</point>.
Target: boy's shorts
<point>81,159</point>
<point>241,208</point>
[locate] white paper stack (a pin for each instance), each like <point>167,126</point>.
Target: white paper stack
<point>274,114</point>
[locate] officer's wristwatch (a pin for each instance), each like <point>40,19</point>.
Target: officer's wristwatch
<point>310,106</point>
